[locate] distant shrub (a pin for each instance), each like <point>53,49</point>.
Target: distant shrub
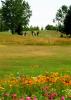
<point>50,27</point>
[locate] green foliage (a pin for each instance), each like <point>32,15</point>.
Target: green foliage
<point>16,14</point>
<point>50,27</point>
<point>3,27</point>
<point>61,13</point>
<point>67,22</point>
<point>61,28</point>
<point>60,16</point>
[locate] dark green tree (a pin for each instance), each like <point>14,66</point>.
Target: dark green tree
<point>16,14</point>
<point>1,20</point>
<point>3,27</point>
<point>67,22</point>
<point>61,13</point>
<point>50,27</point>
<point>60,16</point>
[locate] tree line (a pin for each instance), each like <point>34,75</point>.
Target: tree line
<point>15,16</point>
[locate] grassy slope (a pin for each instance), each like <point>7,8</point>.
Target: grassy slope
<point>44,38</point>
<point>46,33</point>
<point>34,60</point>
<point>54,54</point>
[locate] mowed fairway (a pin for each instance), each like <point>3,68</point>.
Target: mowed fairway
<point>33,59</point>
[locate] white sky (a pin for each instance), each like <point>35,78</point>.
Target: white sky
<point>44,11</point>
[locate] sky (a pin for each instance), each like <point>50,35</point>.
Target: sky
<point>44,11</point>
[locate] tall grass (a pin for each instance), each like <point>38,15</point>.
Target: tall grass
<point>29,40</point>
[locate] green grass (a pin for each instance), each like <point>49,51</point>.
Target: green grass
<point>44,33</point>
<point>34,55</point>
<point>35,66</point>
<point>5,33</point>
<point>49,34</point>
<point>34,60</point>
<point>44,38</point>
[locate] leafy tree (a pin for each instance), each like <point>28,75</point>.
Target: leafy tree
<point>67,22</point>
<point>0,19</point>
<point>16,14</point>
<point>60,16</point>
<point>50,27</point>
<point>61,13</point>
<point>3,27</point>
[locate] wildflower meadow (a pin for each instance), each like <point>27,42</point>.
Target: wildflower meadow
<point>50,86</point>
<point>33,70</point>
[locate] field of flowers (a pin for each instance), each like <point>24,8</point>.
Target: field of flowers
<point>16,56</point>
<point>50,86</point>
